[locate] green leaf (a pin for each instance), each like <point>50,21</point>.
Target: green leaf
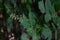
<point>35,36</point>
<point>50,7</point>
<point>52,10</point>
<point>47,17</point>
<point>24,21</point>
<point>32,15</point>
<point>32,18</point>
<point>8,8</point>
<point>41,6</point>
<point>30,30</point>
<point>24,37</point>
<point>47,32</point>
<point>56,20</point>
<point>48,4</point>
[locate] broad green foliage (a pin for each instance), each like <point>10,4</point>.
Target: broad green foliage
<point>35,25</point>
<point>50,13</point>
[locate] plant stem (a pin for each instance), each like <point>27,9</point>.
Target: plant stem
<point>55,34</point>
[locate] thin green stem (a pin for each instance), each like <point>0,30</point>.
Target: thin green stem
<point>55,34</point>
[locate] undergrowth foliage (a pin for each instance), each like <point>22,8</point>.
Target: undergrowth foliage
<point>29,19</point>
